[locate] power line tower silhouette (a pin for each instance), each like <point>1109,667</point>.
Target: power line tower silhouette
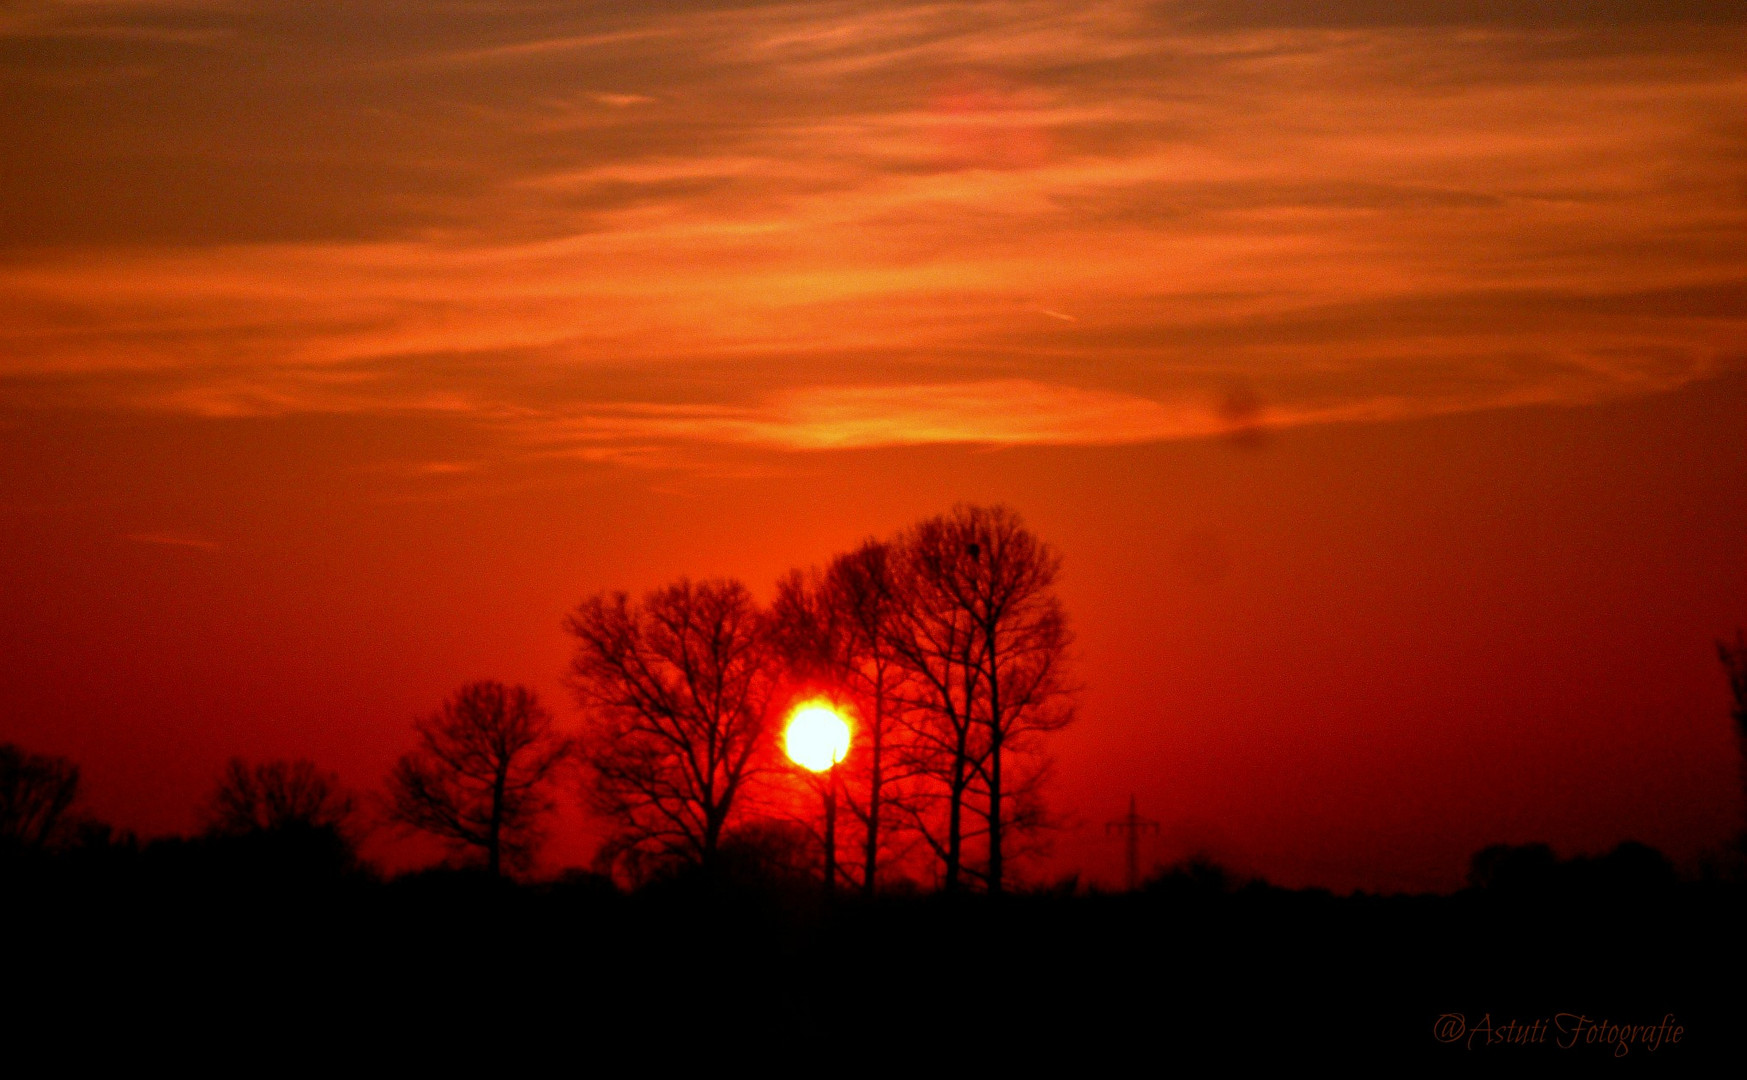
<point>1132,826</point>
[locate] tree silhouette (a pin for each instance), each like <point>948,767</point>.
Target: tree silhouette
<point>835,628</point>
<point>1734,659</point>
<point>1514,867</point>
<point>36,791</point>
<point>1022,649</point>
<point>277,795</point>
<point>984,635</point>
<point>936,643</point>
<point>280,822</point>
<point>678,692</point>
<point>480,779</point>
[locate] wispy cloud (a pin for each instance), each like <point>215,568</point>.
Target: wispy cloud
<point>828,225</point>
<point>1004,412</point>
<point>990,414</point>
<point>1000,413</point>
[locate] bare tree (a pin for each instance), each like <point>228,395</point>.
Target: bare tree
<point>481,777</point>
<point>935,640</point>
<point>36,791</point>
<point>835,628</point>
<point>277,795</point>
<point>1023,646</point>
<point>1734,659</point>
<point>679,693</point>
<point>985,634</point>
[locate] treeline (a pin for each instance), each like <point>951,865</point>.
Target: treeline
<point>258,936</point>
<point>945,646</point>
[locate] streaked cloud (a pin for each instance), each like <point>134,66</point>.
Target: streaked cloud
<point>999,413</point>
<point>860,417</point>
<point>832,225</point>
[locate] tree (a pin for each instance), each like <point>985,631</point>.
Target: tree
<point>481,777</point>
<point>281,821</point>
<point>982,631</point>
<point>936,644</point>
<point>835,628</point>
<point>1023,642</point>
<point>277,795</point>
<point>1734,659</point>
<point>678,692</point>
<point>36,791</point>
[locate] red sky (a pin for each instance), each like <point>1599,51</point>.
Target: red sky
<point>341,352</point>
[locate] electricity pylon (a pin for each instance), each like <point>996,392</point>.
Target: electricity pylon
<point>1132,825</point>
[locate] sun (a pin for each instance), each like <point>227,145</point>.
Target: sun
<point>817,736</point>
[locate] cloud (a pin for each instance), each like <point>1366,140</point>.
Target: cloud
<point>835,225</point>
<point>621,101</point>
<point>1504,14</point>
<point>990,414</point>
<point>996,413</point>
<point>1002,412</point>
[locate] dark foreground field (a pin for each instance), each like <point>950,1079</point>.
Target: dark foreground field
<point>192,957</point>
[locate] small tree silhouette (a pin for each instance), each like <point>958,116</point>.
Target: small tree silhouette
<point>277,795</point>
<point>1734,659</point>
<point>36,791</point>
<point>481,777</point>
<point>280,821</point>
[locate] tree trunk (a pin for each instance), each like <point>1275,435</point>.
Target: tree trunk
<point>995,737</point>
<point>876,780</point>
<point>712,839</point>
<point>960,776</point>
<point>830,832</point>
<point>494,832</point>
<point>955,810</point>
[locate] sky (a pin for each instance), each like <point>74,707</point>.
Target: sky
<point>1377,369</point>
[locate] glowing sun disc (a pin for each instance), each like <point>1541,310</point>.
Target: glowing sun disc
<point>817,737</point>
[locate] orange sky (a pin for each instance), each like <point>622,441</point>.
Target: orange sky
<point>342,350</point>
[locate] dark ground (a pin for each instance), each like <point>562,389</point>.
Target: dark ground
<point>237,955</point>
